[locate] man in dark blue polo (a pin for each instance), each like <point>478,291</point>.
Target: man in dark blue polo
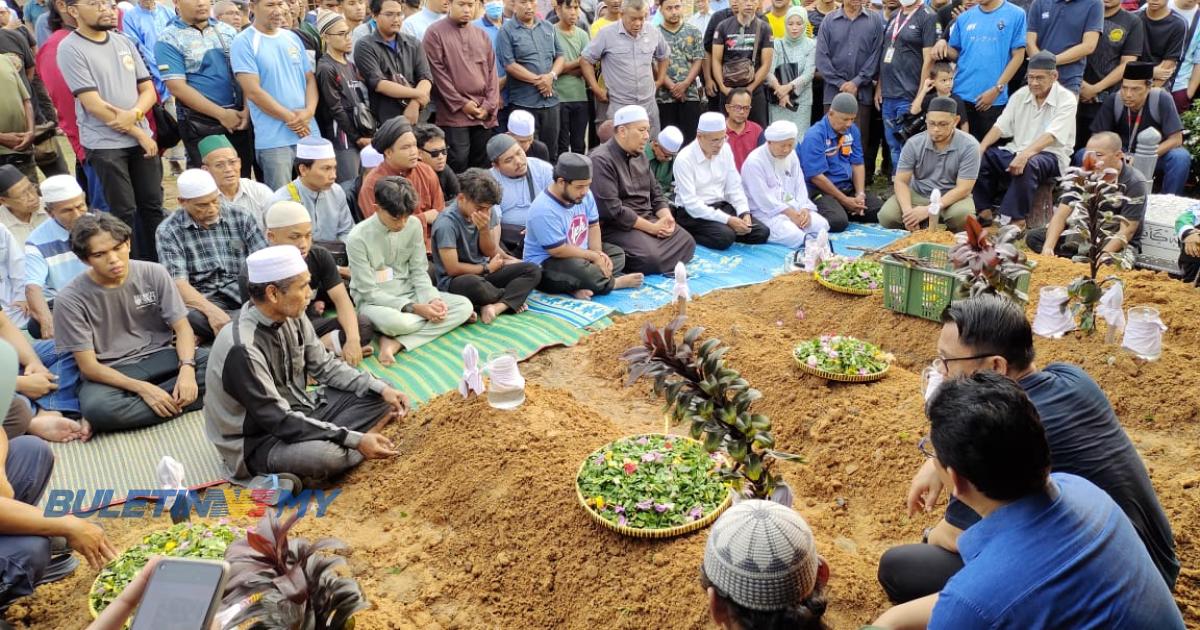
<point>1068,28</point>
<point>531,55</point>
<point>831,156</point>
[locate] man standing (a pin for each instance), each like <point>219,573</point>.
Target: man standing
<point>417,24</point>
<point>221,159</point>
<point>521,180</point>
<point>463,65</point>
<point>193,55</point>
<point>259,410</point>
<point>848,56</point>
<point>905,62</point>
<point>633,61</point>
<point>711,204</point>
<point>571,89</point>
<point>988,42</point>
<point>776,191</point>
<point>21,210</point>
<point>114,93</point>
<point>1123,40</point>
<point>1040,121</point>
<point>741,57</point>
<point>316,188</point>
<point>119,319</point>
<point>634,214</point>
<point>398,144</point>
<point>532,58</point>
<point>202,246</point>
<point>1166,37</point>
<point>678,93</point>
<point>1069,30</point>
<point>744,135</point>
<point>941,158</point>
<point>831,157</point>
<point>393,66</point>
<point>276,76</point>
<point>49,264</point>
<point>17,122</point>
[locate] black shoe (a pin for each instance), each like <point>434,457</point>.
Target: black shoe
<point>58,546</point>
<point>59,568</point>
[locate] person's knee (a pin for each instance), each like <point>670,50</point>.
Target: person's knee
<point>721,239</point>
<point>23,561</point>
<point>366,330</point>
<point>890,215</point>
<point>1035,240</point>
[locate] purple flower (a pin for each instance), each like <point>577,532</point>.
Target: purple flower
<point>652,456</point>
<point>862,371</point>
<point>621,521</point>
<point>833,354</point>
<point>619,509</point>
<point>663,507</point>
<point>643,441</point>
<point>874,285</point>
<point>812,361</point>
<point>599,461</point>
<point>645,505</point>
<point>696,513</point>
<point>208,533</point>
<point>864,274</point>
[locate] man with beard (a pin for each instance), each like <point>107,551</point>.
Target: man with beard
<point>522,179</point>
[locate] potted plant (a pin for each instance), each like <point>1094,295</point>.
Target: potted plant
<point>289,583</point>
<point>856,276</point>
<point>698,388</point>
<point>842,358</point>
<point>985,265</point>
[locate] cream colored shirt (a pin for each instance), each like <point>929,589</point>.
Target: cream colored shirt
<point>1023,121</point>
<point>20,229</point>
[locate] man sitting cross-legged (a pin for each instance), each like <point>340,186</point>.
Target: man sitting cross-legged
<point>119,319</point>
<point>467,254</point>
<point>775,187</point>
<point>564,236</point>
<point>259,410</point>
<point>46,389</point>
<point>202,245</point>
<point>521,179</point>
<point>389,274</point>
<point>831,156</point>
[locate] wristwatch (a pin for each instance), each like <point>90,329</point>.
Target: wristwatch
<point>191,362</point>
<point>999,87</point>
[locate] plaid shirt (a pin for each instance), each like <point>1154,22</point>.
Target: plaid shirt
<point>210,259</point>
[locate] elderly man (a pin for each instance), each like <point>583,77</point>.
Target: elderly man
<point>128,329</point>
<point>389,277</point>
<point>221,159</point>
<point>316,188</point>
<point>521,179</point>
<point>1105,149</point>
<point>21,208</point>
<point>202,248</point>
<point>1040,122</point>
<point>776,191</point>
<point>661,153</point>
<point>397,142</point>
<point>941,158</point>
<point>710,202</point>
<point>228,12</point>
<point>463,66</point>
<point>522,127</point>
<point>634,214</point>
<point>1139,107</point>
<point>564,237</point>
<point>49,263</point>
<point>633,60</point>
<point>259,410</point>
<point>831,156</point>
<point>532,58</point>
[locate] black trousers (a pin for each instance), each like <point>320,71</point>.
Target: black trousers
<point>911,572</point>
<point>1013,195</point>
<point>573,127</point>
<point>839,216</point>
<point>243,143</point>
<point>546,122</point>
<point>467,147</point>
<point>982,121</point>
<point>1035,239</point>
<point>684,115</point>
<point>720,236</point>
<point>324,325</point>
<point>110,408</point>
<point>512,239</point>
<point>133,187</point>
<point>1189,266</point>
<point>567,275</point>
<point>510,284</point>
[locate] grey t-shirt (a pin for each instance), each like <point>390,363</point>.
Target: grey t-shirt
<point>452,229</point>
<point>931,168</point>
<point>123,324</point>
<point>114,69</point>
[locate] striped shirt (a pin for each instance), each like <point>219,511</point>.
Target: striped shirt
<point>49,261</point>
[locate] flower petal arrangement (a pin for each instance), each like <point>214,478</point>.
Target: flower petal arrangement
<point>185,540</point>
<point>842,358</point>
<point>652,485</point>
<point>856,276</point>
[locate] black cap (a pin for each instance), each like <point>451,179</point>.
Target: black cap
<point>9,176</point>
<point>1139,71</point>
<point>573,167</point>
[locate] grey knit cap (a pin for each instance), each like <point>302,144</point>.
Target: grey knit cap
<point>844,103</point>
<point>762,556</point>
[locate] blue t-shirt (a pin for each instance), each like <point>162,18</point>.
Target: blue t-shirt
<point>553,223</point>
<point>985,42</point>
<point>827,152</point>
<point>282,66</point>
<point>519,193</point>
<point>1061,24</point>
<point>200,58</point>
<point>1064,558</point>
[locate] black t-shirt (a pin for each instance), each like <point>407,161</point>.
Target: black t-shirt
<point>962,106</point>
<point>715,21</point>
<point>323,277</point>
<point>740,42</point>
<point>816,17</point>
<point>449,182</point>
<point>1123,35</point>
<point>538,150</point>
<point>1159,112</point>
<point>1164,38</point>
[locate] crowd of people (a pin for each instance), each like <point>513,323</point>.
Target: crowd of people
<point>390,170</point>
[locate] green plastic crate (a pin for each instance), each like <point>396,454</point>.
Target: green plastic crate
<point>923,292</point>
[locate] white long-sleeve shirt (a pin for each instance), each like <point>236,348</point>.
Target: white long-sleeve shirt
<point>700,182</point>
<point>773,185</point>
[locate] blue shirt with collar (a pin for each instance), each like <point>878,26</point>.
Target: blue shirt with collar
<point>1064,558</point>
<point>824,151</point>
<point>535,48</point>
<point>1061,24</point>
<point>201,57</point>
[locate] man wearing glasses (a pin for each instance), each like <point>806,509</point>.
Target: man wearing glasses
<point>1086,439</point>
<point>941,158</point>
<point>220,158</point>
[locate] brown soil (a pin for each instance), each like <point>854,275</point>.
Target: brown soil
<point>476,524</point>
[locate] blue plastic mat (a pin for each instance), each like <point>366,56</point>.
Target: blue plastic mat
<point>865,235</point>
<point>581,313</point>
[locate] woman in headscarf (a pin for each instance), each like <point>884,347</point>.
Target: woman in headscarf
<point>790,81</point>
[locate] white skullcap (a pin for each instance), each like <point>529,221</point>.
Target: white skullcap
<point>710,122</point>
<point>781,130</point>
<point>670,138</point>
<point>285,213</point>
<point>369,157</point>
<point>630,114</point>
<point>60,188</point>
<point>272,264</point>
<point>195,183</point>
<point>311,148</point>
<point>520,123</point>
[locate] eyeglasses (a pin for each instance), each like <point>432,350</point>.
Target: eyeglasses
<point>339,34</point>
<point>739,108</point>
<point>939,124</point>
<point>941,363</point>
<point>926,448</point>
<point>436,152</point>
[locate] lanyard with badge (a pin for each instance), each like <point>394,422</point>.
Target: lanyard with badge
<point>896,30</point>
<point>1133,128</point>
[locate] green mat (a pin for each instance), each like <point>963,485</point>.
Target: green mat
<point>436,367</point>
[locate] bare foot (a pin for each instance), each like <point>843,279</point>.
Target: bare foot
<point>473,318</point>
<point>55,427</point>
<point>367,351</point>
<point>388,347</point>
<point>489,313</point>
<point>582,294</point>
<point>628,281</point>
<point>86,434</point>
<point>522,308</point>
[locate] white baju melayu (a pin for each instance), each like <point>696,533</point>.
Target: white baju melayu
<point>774,185</point>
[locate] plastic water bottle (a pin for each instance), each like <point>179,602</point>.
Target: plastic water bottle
<point>1145,157</point>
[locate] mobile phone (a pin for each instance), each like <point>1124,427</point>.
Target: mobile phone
<point>182,594</point>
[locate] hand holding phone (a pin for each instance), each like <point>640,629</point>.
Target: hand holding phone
<point>176,593</point>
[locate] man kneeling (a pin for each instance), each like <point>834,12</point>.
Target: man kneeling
<point>258,409</point>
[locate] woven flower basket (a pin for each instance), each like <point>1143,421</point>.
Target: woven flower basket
<point>844,378</point>
<point>840,289</point>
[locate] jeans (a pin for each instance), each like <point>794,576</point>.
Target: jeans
<point>894,108</point>
<point>1014,192</point>
<point>92,185</point>
<point>573,124</point>
<point>23,559</point>
<point>65,399</point>
<point>1173,167</point>
<point>133,186</point>
<point>276,165</point>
